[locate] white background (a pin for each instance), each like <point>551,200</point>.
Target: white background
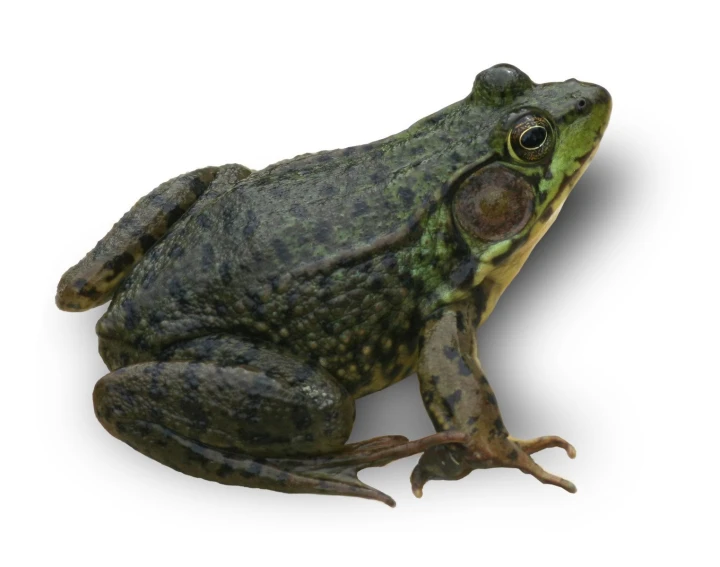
<point>607,337</point>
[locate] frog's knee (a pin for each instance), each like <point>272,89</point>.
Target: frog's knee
<point>110,403</point>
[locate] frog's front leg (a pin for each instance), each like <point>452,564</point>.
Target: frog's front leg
<point>458,396</point>
<point>246,415</point>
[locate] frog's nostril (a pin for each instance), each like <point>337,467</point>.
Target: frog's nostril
<point>581,104</point>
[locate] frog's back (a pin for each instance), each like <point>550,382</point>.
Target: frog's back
<point>294,222</point>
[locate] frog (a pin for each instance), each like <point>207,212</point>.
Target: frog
<point>249,309</point>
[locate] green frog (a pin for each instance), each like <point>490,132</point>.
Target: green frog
<point>251,308</point>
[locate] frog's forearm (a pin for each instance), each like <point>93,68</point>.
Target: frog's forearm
<point>454,389</point>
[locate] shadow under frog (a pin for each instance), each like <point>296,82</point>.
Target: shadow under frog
<point>251,308</point>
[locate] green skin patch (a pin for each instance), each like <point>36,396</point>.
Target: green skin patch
<point>250,309</point>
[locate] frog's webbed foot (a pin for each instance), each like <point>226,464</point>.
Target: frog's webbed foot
<point>336,473</point>
<point>455,462</point>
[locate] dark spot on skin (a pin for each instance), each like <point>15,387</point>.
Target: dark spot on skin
<point>498,428</point>
<point>224,470</point>
<point>292,298</point>
<point>546,214</point>
<point>156,415</point>
<point>463,368</point>
<point>375,282</point>
<point>157,390</point>
<point>202,220</point>
<point>251,224</point>
<point>192,382</point>
<point>548,174</point>
<point>360,208</point>
<point>146,241</point>
<point>176,251</point>
<point>118,264</point>
<point>472,420</point>
<point>301,418</point>
<point>197,186</point>
<point>435,379</point>
<point>407,196</point>
<point>377,177</point>
<point>436,315</point>
<point>460,321</point>
<point>451,401</point>
<point>323,232</point>
<point>329,191</point>
<point>132,314</point>
<point>176,290</point>
<point>365,267</point>
<point>225,274</point>
<point>389,262</point>
<point>513,455</point>
<point>207,256</point>
<point>464,274</point>
<point>450,353</point>
<point>298,211</point>
<point>490,398</point>
<point>484,381</point>
<point>303,373</point>
<point>193,410</point>
<point>172,216</point>
<point>87,291</point>
<point>281,250</point>
<point>480,300</point>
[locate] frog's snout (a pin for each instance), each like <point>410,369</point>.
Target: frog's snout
<point>599,95</point>
<point>590,95</point>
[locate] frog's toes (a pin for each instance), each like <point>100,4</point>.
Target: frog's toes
<point>530,446</point>
<point>439,463</point>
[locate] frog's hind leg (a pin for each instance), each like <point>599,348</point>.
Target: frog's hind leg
<point>282,429</point>
<point>92,281</point>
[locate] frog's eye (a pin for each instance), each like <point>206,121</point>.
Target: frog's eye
<point>531,138</point>
<point>494,203</point>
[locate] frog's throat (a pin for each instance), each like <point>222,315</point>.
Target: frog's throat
<point>495,277</point>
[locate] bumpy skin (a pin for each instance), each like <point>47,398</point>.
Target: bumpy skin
<point>250,308</point>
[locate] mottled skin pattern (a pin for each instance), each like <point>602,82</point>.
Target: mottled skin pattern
<point>249,309</point>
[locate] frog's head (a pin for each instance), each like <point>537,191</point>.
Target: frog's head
<point>543,137</point>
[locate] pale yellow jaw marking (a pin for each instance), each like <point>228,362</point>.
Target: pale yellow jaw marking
<point>497,278</point>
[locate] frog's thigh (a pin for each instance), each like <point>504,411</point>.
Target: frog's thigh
<point>187,415</point>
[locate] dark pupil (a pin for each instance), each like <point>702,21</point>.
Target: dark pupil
<point>533,138</point>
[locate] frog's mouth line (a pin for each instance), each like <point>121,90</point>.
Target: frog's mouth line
<point>569,183</point>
